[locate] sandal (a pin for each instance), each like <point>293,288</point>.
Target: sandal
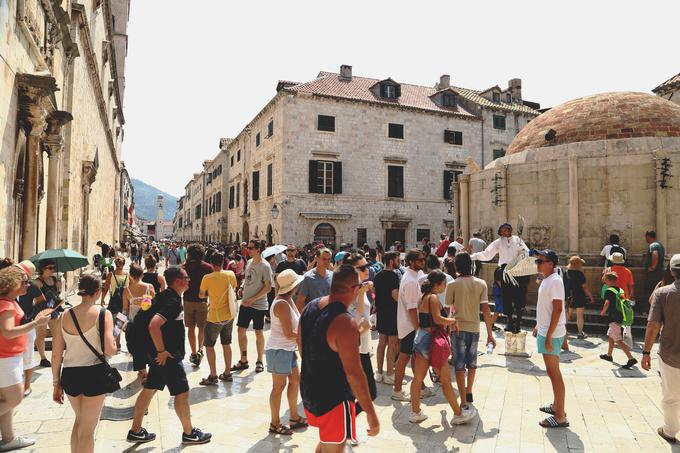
<point>226,377</point>
<point>210,380</point>
<point>299,423</point>
<point>664,436</point>
<point>259,367</point>
<point>240,365</point>
<point>548,409</point>
<point>281,429</point>
<point>551,422</point>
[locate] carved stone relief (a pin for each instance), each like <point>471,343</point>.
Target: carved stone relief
<point>487,234</point>
<point>538,236</point>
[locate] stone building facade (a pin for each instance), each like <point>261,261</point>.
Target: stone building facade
<point>353,159</point>
<point>583,170</point>
<point>62,124</point>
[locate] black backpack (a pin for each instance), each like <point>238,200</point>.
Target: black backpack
<point>616,248</point>
<point>137,334</point>
<point>116,300</point>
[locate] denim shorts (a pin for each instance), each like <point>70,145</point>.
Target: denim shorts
<point>280,361</point>
<point>422,343</point>
<point>464,350</point>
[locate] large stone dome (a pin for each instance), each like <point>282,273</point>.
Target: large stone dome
<point>603,116</point>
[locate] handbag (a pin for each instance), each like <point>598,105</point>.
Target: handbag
<point>440,350</point>
<point>112,377</point>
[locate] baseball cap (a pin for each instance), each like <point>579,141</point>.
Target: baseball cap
<point>551,255</point>
<point>291,247</point>
<point>340,256</point>
<point>675,261</point>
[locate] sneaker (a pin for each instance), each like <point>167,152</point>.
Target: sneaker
<point>45,363</point>
<point>629,364</point>
<point>465,416</point>
<point>196,437</point>
<point>389,379</point>
<point>401,396</point>
<point>192,359</point>
<point>606,357</point>
<point>582,336</point>
<point>417,417</point>
<point>17,443</point>
<point>426,392</point>
<point>143,436</point>
<point>199,357</point>
<point>379,377</point>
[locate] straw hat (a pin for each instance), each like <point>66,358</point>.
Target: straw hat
<point>575,262</point>
<point>288,280</point>
<point>27,266</point>
<point>617,258</point>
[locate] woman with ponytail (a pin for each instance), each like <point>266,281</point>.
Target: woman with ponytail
<point>432,347</point>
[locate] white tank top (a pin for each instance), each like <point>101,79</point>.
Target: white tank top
<point>77,353</point>
<point>277,339</point>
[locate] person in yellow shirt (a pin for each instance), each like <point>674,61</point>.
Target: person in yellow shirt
<point>216,287</point>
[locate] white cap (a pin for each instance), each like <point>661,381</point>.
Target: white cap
<point>675,261</point>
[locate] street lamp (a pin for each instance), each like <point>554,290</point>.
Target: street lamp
<point>275,212</point>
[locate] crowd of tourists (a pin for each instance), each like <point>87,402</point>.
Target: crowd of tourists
<point>424,304</point>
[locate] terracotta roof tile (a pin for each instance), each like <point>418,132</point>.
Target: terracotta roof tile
<point>477,98</point>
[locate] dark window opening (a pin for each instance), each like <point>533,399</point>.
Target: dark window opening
<point>326,123</point>
<point>256,185</point>
<point>499,122</point>
<point>270,171</point>
<point>395,130</point>
<point>395,181</point>
<point>449,100</point>
<point>257,139</point>
<point>498,153</point>
<point>453,137</point>
<point>450,176</point>
<point>362,237</point>
<point>270,128</point>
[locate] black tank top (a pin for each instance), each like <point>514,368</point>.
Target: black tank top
<point>323,382</point>
<point>425,320</point>
<point>152,279</point>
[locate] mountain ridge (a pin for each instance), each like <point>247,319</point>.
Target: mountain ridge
<point>145,201</point>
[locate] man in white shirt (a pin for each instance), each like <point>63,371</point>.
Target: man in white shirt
<point>607,249</point>
<point>549,332</point>
<point>476,245</point>
<point>407,317</point>
<point>508,247</point>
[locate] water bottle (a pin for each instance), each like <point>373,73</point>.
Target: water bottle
<point>489,349</point>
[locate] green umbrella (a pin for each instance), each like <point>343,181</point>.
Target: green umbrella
<point>64,259</point>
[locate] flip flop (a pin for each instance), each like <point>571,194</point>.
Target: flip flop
<point>299,423</point>
<point>548,409</point>
<point>551,422</point>
<point>281,429</point>
<point>664,436</point>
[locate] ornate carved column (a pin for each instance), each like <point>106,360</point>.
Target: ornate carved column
<point>35,93</point>
<point>53,144</point>
<point>573,204</point>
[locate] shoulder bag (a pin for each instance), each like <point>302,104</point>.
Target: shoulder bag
<point>112,377</point>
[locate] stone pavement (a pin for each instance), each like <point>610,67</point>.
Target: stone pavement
<point>609,410</point>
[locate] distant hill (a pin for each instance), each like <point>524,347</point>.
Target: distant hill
<point>145,201</point>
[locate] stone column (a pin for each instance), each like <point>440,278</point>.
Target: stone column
<point>35,92</point>
<point>464,202</point>
<point>573,204</point>
<point>53,144</point>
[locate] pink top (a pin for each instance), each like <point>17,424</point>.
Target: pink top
<point>15,346</point>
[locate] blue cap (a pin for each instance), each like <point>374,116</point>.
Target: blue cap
<point>340,256</point>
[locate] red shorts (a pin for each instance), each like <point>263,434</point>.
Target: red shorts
<point>336,425</point>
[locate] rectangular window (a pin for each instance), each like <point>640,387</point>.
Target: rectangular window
<point>325,177</point>
<point>395,181</point>
<point>499,122</point>
<point>508,98</point>
<point>270,179</point>
<point>395,130</point>
<point>238,156</point>
<point>496,97</point>
<point>256,185</point>
<point>453,137</point>
<point>231,160</point>
<point>449,100</point>
<point>422,233</point>
<point>198,212</point>
<point>449,177</point>
<point>325,123</point>
<point>231,197</point>
<point>238,195</point>
<point>498,153</point>
<point>270,128</point>
<point>257,139</point>
<point>389,91</point>
<point>361,237</point>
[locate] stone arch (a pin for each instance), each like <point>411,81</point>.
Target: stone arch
<point>238,240</point>
<point>326,233</point>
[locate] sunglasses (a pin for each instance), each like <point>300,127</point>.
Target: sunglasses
<point>541,261</point>
<point>50,268</point>
<point>363,268</point>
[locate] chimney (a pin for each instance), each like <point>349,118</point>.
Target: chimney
<point>444,82</point>
<point>345,72</point>
<point>515,88</point>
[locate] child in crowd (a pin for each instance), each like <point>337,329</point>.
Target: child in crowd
<point>611,308</point>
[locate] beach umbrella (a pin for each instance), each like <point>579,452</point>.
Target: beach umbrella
<point>64,259</point>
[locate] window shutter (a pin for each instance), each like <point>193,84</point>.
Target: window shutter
<point>313,168</point>
<point>395,181</point>
<point>256,185</point>
<point>337,177</point>
<point>448,177</point>
<point>397,91</point>
<point>458,137</point>
<point>383,90</point>
<point>269,179</point>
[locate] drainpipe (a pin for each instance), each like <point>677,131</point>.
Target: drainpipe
<point>481,110</point>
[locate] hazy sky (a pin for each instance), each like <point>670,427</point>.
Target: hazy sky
<point>201,70</point>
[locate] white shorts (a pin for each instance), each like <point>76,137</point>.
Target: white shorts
<point>29,354</point>
<point>11,371</point>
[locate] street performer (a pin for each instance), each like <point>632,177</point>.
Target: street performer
<point>508,247</point>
